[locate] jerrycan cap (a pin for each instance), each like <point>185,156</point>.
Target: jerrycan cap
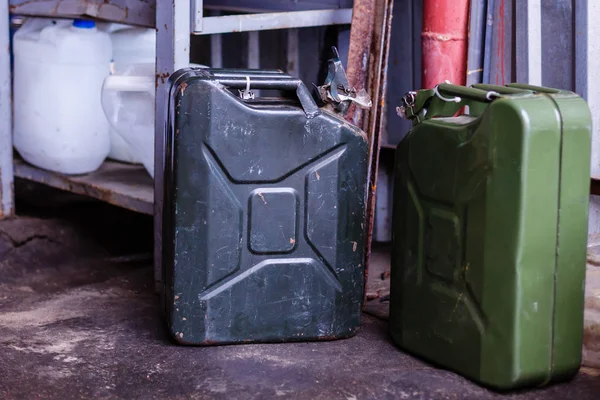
<point>83,24</point>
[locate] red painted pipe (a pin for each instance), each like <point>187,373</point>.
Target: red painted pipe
<point>444,42</point>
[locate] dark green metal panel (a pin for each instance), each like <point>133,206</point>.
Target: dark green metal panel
<point>489,232</point>
<point>264,213</point>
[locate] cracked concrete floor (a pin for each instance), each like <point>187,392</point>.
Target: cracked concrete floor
<point>78,319</point>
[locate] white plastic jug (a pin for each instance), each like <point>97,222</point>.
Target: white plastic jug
<point>60,66</point>
<point>132,46</point>
<point>128,102</point>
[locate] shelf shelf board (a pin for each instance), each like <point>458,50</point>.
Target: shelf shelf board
<point>124,185</point>
<point>275,5</point>
<point>134,12</point>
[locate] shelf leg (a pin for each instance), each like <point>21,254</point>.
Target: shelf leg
<point>6,161</point>
<point>172,53</point>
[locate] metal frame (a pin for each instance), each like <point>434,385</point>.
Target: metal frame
<point>476,48</point>
<point>378,87</point>
<point>119,184</point>
<point>591,90</point>
<point>126,186</point>
<point>275,5</point>
<point>501,62</point>
<point>176,21</point>
<point>370,34</point>
<point>266,21</point>
<point>6,160</point>
<point>172,53</point>
<point>580,10</point>
<point>528,24</point>
<point>404,75</point>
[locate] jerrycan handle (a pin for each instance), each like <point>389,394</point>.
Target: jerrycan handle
<point>445,100</point>
<point>274,80</point>
<point>448,99</point>
<point>244,72</point>
<point>463,93</point>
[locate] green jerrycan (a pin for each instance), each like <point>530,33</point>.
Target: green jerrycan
<point>490,230</point>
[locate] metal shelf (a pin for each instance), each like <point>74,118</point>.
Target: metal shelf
<point>129,186</point>
<point>267,21</point>
<point>124,185</point>
<point>134,12</point>
<point>275,5</point>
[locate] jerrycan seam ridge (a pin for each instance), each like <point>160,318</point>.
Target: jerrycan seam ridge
<point>560,161</point>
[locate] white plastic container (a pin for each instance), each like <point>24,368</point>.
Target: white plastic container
<point>132,47</point>
<point>128,101</point>
<point>60,66</point>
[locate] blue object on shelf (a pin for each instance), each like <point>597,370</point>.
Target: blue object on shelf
<point>84,24</point>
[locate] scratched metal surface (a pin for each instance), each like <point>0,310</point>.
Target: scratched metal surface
<point>264,225</point>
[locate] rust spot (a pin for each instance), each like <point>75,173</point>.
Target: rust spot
<point>361,33</point>
<point>176,297</point>
<point>182,88</point>
<point>292,241</point>
<point>317,174</point>
<point>161,78</point>
<point>354,246</point>
<point>176,132</point>
<point>209,342</point>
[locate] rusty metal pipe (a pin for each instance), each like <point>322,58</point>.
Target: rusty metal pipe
<point>367,68</point>
<point>359,53</point>
<point>444,40</point>
<point>378,84</point>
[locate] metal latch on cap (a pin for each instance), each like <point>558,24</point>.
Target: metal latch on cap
<point>337,91</point>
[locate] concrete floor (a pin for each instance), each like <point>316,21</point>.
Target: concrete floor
<point>79,320</point>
